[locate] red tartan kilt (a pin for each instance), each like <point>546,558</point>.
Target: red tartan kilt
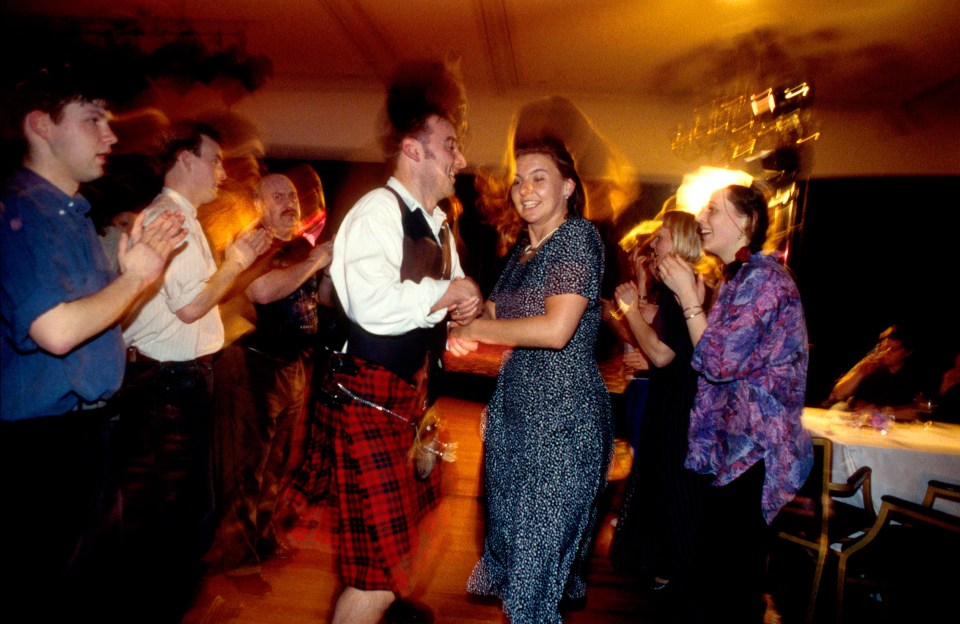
<point>379,498</point>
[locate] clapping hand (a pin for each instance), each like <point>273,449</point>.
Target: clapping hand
<point>680,277</point>
<point>627,296</point>
<point>641,268</point>
<point>247,247</point>
<point>322,254</point>
<point>145,251</point>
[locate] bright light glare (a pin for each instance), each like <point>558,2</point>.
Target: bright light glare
<point>696,189</point>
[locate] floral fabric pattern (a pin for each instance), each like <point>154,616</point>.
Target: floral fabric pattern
<point>752,360</point>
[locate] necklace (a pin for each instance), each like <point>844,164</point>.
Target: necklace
<point>530,248</point>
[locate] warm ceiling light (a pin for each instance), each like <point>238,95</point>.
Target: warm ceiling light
<point>780,100</point>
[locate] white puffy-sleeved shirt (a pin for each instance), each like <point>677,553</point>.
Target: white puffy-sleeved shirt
<point>367,253</point>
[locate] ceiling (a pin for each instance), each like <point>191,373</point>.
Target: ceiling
<point>901,55</point>
<point>856,53</point>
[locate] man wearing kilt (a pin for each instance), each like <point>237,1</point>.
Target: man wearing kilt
<point>397,274</point>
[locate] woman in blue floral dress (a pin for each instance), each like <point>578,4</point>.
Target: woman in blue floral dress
<point>549,431</point>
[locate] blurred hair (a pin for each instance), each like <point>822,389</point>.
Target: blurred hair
<point>48,90</point>
<point>419,90</point>
<point>184,136</point>
<point>495,202</point>
<point>51,89</point>
<point>687,244</point>
<point>606,181</point>
<point>306,179</point>
<point>901,333</point>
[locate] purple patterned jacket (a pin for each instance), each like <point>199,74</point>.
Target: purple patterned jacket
<point>752,360</point>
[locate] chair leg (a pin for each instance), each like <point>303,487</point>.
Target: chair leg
<point>815,587</point>
<point>841,586</point>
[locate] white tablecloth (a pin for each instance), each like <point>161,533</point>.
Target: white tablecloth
<point>903,458</point>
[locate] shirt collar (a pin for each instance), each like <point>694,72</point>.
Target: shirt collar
<point>77,204</point>
<point>180,200</point>
<point>436,214</point>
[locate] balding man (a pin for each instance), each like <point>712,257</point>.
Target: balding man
<point>261,386</point>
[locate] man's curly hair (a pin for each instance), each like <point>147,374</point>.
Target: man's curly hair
<point>419,90</point>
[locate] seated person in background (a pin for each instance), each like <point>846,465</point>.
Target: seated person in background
<point>948,393</point>
<point>884,378</point>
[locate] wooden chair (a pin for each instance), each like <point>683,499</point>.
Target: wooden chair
<point>815,519</point>
<point>901,552</point>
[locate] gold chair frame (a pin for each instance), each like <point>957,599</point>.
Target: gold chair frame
<point>820,491</point>
<point>896,511</point>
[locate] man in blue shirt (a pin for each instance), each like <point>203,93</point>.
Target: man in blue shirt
<point>61,350</point>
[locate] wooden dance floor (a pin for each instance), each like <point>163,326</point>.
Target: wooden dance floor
<point>305,586</point>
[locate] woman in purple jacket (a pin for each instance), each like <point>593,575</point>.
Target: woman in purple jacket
<point>751,356</point>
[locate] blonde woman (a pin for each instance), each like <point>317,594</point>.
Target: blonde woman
<point>656,527</point>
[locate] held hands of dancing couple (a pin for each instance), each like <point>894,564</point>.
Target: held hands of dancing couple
<point>460,317</point>
<point>464,304</point>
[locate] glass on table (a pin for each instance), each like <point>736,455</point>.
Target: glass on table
<point>925,407</point>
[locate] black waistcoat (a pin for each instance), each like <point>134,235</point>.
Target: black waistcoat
<point>419,349</point>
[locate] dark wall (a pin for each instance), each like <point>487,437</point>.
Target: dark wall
<point>877,251</point>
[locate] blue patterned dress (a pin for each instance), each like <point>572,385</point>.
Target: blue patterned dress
<point>548,437</point>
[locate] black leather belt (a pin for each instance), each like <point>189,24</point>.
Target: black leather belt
<point>136,355</point>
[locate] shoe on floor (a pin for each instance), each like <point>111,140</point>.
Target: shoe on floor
<point>276,550</point>
<point>408,611</point>
<point>251,584</point>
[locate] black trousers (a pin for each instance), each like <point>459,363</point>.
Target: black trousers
<point>166,424</point>
<point>258,401</point>
<point>732,554</point>
<point>60,526</point>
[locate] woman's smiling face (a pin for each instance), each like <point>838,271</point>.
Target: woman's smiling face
<point>722,227</point>
<point>539,190</point>
<point>661,246</point>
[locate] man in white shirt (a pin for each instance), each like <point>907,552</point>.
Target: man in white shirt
<point>398,277</point>
<point>166,416</point>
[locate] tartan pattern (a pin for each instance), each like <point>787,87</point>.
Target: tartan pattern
<point>373,485</point>
<point>310,482</point>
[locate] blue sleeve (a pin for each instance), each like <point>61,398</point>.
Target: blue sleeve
<point>27,290</point>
